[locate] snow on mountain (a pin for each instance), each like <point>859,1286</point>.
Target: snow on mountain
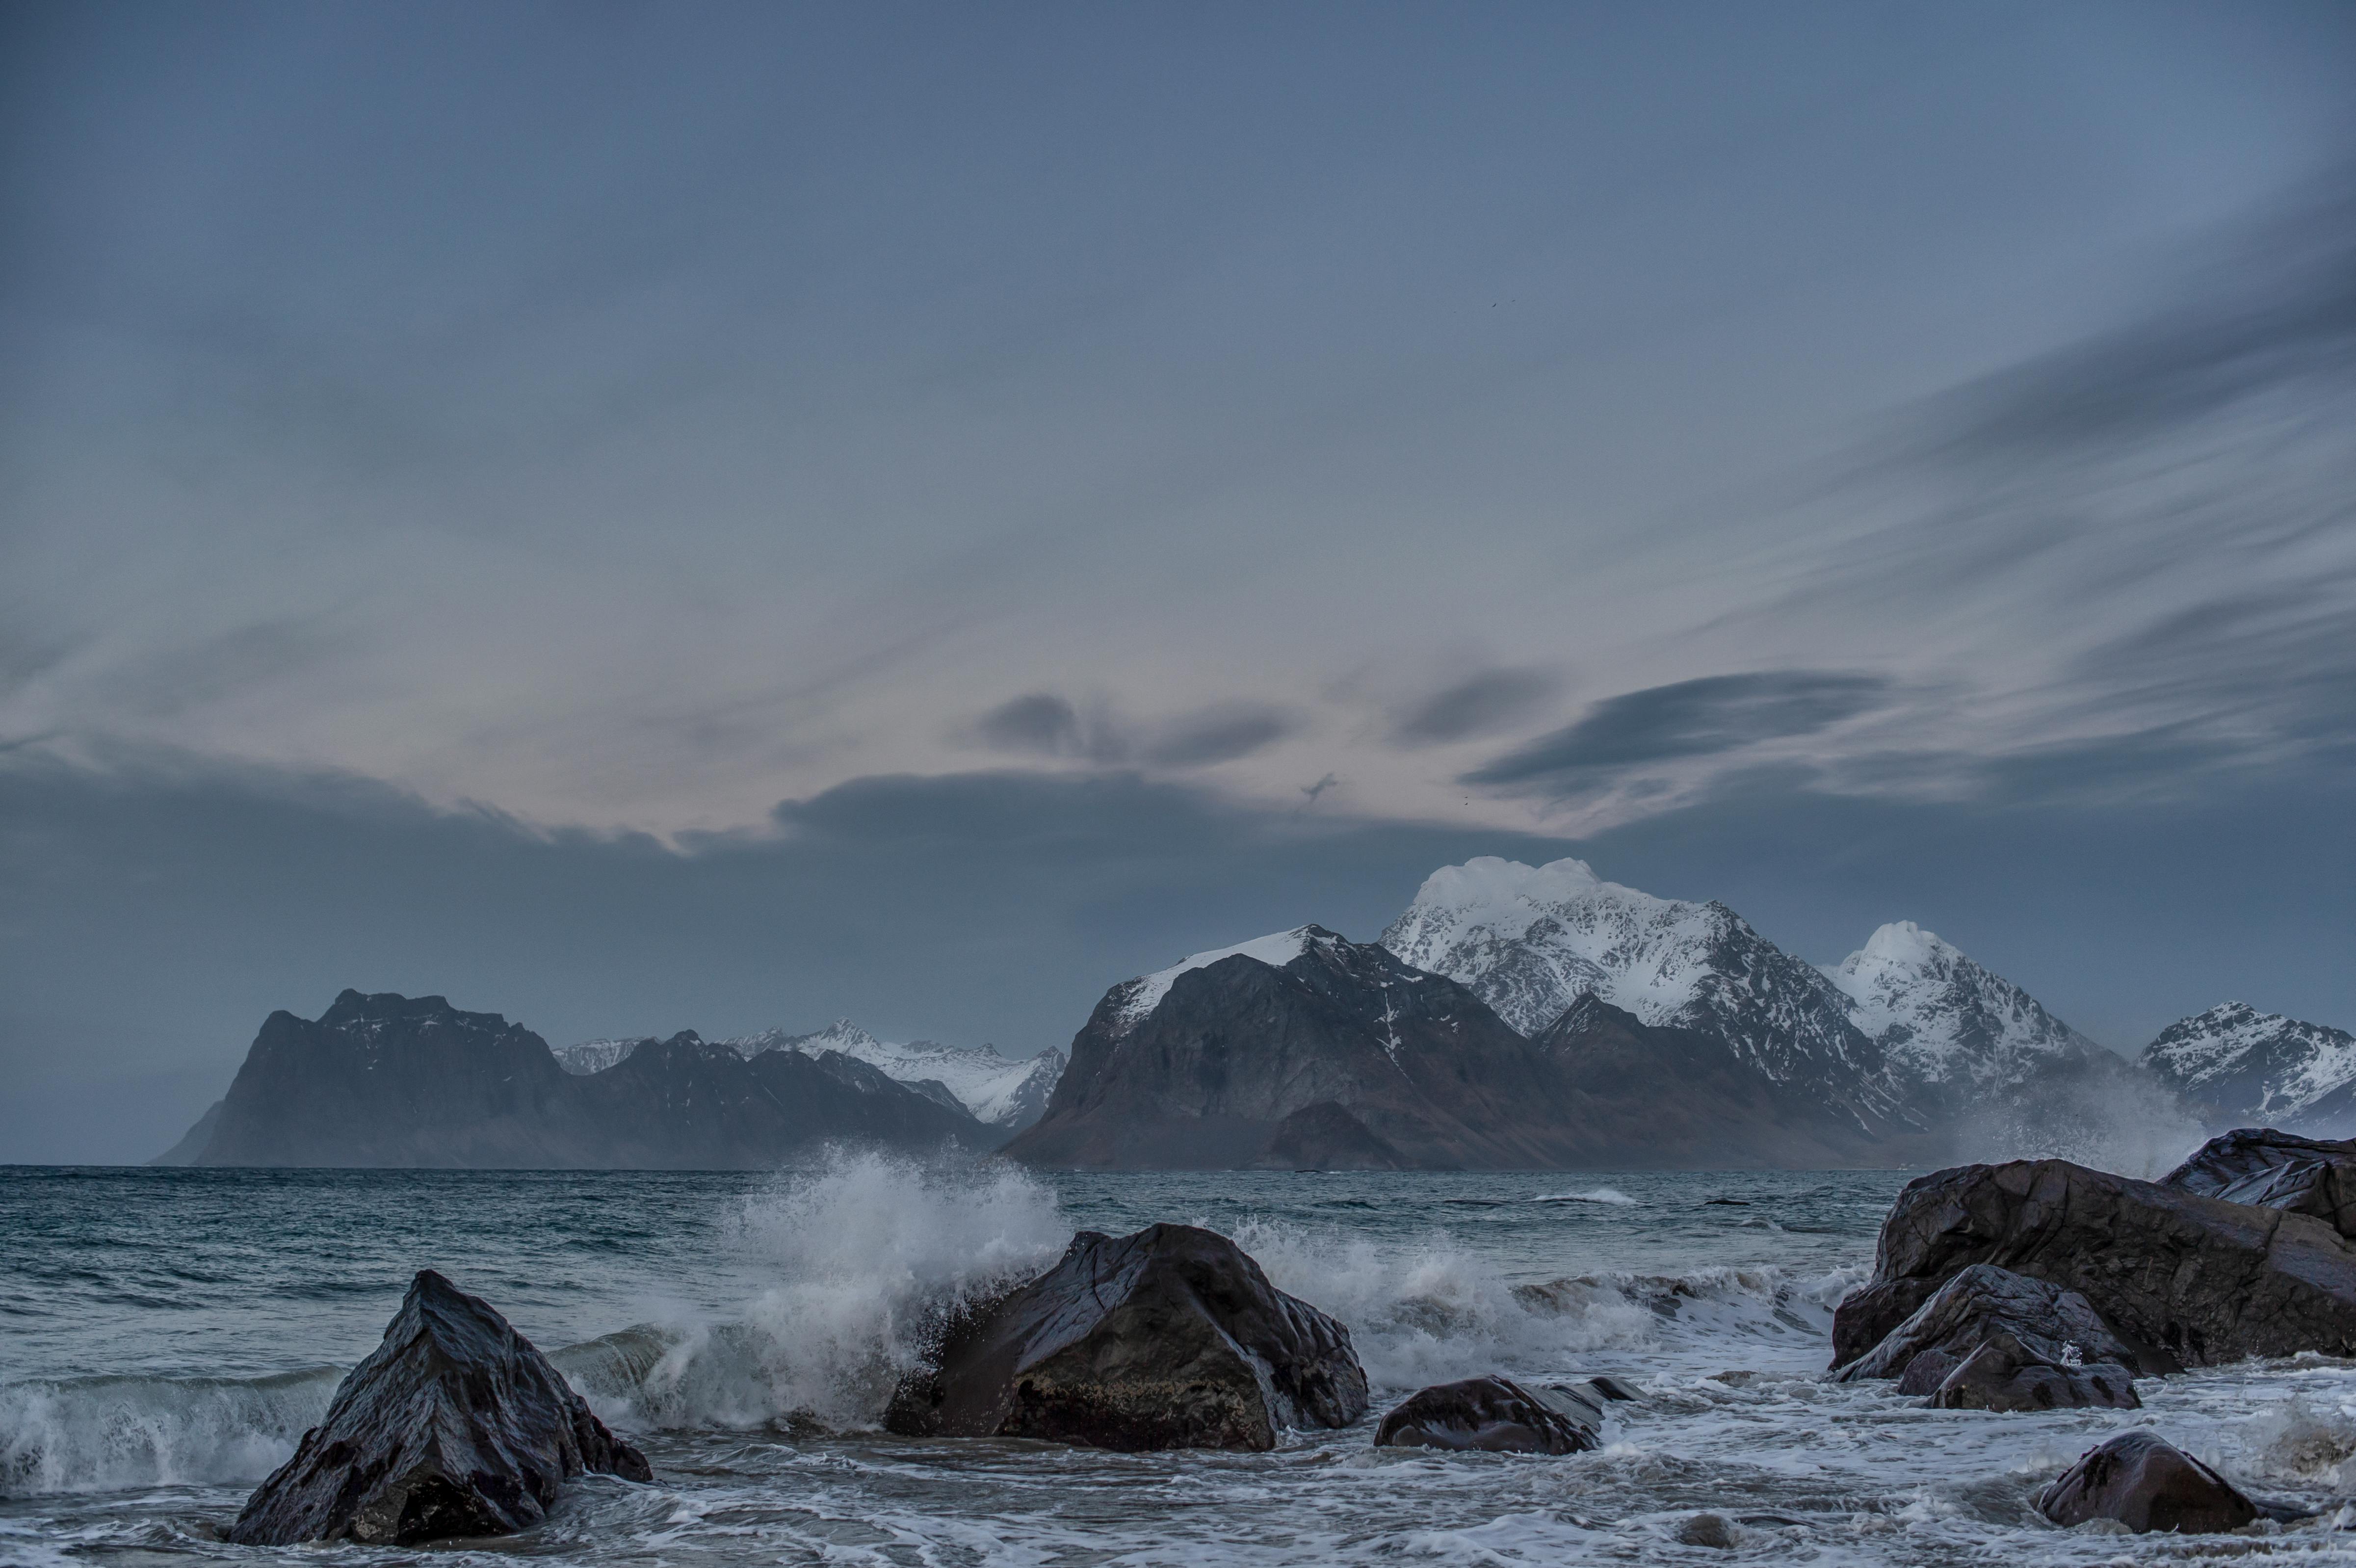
<point>1141,996</point>
<point>1003,1092</point>
<point>2255,1069</point>
<point>594,1055</point>
<point>1530,941</point>
<point>1944,1020</point>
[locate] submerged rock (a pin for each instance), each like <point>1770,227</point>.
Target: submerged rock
<point>453,1426</point>
<point>2039,1322</point>
<point>2147,1484</point>
<point>1493,1414</point>
<point>2275,1170</point>
<point>2005,1374</point>
<point>2198,1279</point>
<point>1169,1338</point>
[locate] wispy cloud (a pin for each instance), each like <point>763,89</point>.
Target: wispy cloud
<point>1716,715</point>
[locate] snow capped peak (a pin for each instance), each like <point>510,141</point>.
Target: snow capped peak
<point>1275,950</point>
<point>1503,896</point>
<point>1942,1018</point>
<point>1530,938</point>
<point>1903,941</point>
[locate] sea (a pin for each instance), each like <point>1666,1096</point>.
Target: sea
<point>166,1335</point>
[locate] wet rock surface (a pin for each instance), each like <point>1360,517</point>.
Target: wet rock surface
<point>2040,1321</point>
<point>1494,1414</point>
<point>2174,1275</point>
<point>2006,1375</point>
<point>2314,1177</point>
<point>453,1426</point>
<point>2146,1483</point>
<point>1170,1337</point>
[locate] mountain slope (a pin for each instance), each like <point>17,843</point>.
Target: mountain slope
<point>2243,1068</point>
<point>1198,1066</point>
<point>1658,1096</point>
<point>389,1080</point>
<point>1531,940</point>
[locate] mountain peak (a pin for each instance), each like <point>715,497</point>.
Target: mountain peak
<point>1903,941</point>
<point>1276,949</point>
<point>1943,1017</point>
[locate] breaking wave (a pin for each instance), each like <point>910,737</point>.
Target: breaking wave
<point>1610,1195</point>
<point>98,1434</point>
<point>868,1254</point>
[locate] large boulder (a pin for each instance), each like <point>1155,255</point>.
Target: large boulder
<point>2047,1322</point>
<point>1169,1338</point>
<point>453,1426</point>
<point>1493,1414</point>
<point>2275,1170</point>
<point>2007,1374</point>
<point>2200,1279</point>
<point>2146,1483</point>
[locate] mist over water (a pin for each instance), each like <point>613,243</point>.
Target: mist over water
<point>747,1330</point>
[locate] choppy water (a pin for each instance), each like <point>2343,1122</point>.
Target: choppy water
<point>166,1336</point>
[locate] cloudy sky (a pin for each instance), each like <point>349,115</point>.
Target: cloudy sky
<point>641,518</point>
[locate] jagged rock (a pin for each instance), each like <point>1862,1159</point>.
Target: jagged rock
<point>2051,1325</point>
<point>453,1426</point>
<point>2201,1279</point>
<point>2275,1170</point>
<point>1170,1337</point>
<point>1326,1137</point>
<point>2146,1483</point>
<point>1493,1414</point>
<point>2004,1374</point>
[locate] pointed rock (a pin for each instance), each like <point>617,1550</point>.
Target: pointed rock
<point>453,1426</point>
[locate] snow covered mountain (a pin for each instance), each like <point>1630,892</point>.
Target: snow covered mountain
<point>1003,1092</point>
<point>1530,940</point>
<point>997,1091</point>
<point>1945,1022</point>
<point>2247,1069</point>
<point>596,1055</point>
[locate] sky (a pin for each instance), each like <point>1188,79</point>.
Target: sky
<point>641,518</point>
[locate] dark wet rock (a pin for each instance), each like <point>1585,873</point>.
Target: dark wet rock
<point>453,1426</point>
<point>1926,1371</point>
<point>2007,1375</point>
<point>1326,1137</point>
<point>2047,1322</point>
<point>2147,1484</point>
<point>2275,1170</point>
<point>1496,1414</point>
<point>2175,1275</point>
<point>1709,1529</point>
<point>1171,1338</point>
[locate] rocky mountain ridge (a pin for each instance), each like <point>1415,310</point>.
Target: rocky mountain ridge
<point>1009,1093</point>
<point>390,1081</point>
<point>2239,1067</point>
<point>1303,1048</point>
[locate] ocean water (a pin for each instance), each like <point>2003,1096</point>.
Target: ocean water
<point>166,1335</point>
